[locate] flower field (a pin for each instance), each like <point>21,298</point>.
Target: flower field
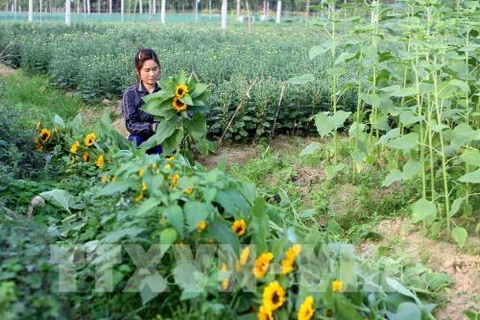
<point>378,118</point>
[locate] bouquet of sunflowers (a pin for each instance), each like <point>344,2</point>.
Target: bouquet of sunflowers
<point>178,108</point>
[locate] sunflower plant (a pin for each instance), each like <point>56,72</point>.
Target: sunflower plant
<point>179,109</point>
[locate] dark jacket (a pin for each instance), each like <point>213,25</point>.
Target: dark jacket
<point>137,121</point>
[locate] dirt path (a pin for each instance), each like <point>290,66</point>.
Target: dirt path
<point>464,268</point>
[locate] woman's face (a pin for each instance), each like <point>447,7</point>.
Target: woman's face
<point>149,72</point>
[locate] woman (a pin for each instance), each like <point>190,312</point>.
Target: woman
<point>140,124</point>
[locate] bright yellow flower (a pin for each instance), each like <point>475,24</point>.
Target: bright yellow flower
<point>174,179</point>
<point>100,161</point>
<point>45,135</point>
<point>273,296</point>
<point>104,179</point>
<point>239,227</point>
<point>261,264</point>
<point>144,186</point>
<point>86,157</point>
<point>181,91</point>
<point>290,255</point>
<point>337,286</point>
<point>38,126</point>
<point>179,105</point>
<point>168,166</point>
<point>244,256</point>
<point>141,172</point>
<point>154,165</point>
<point>306,309</point>
<point>224,282</point>
<point>139,197</point>
<point>90,139</point>
<point>74,147</point>
<point>287,266</point>
<point>170,158</point>
<point>293,251</point>
<point>202,225</point>
<point>264,314</point>
<point>188,191</point>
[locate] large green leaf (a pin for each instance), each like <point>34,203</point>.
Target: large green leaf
<point>471,177</point>
<point>312,148</point>
<point>196,127</point>
<point>116,235</point>
<point>406,142</point>
<point>406,311</point>
<point>200,88</point>
<point>424,210</point>
<point>471,157</point>
<point>459,234</point>
<point>303,79</point>
<point>174,215</point>
<point>116,187</point>
<point>221,231</point>
<point>195,212</point>
<point>61,197</point>
<point>259,224</point>
<point>171,143</point>
<point>324,126</point>
<point>164,130</point>
<point>393,176</point>
<point>233,202</point>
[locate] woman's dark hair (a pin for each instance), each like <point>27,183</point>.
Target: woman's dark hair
<point>143,55</point>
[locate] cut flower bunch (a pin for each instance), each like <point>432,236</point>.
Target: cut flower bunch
<point>179,109</point>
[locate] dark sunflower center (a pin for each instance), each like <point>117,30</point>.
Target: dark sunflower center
<point>275,298</point>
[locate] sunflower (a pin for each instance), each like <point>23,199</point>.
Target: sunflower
<point>179,105</point>
<point>86,157</point>
<point>287,266</point>
<point>337,286</point>
<point>306,309</point>
<point>74,147</point>
<point>202,225</point>
<point>100,161</point>
<point>290,255</point>
<point>273,296</point>
<point>293,251</point>
<point>139,197</point>
<point>264,314</point>
<point>239,227</point>
<point>45,135</point>
<point>180,91</point>
<point>174,179</point>
<point>90,138</point>
<point>224,282</point>
<point>261,264</point>
<point>244,256</point>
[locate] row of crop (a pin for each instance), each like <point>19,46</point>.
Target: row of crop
<point>96,62</point>
<point>149,236</point>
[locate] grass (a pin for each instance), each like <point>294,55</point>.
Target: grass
<point>300,186</point>
<point>34,97</point>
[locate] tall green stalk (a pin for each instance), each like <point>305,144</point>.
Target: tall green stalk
<point>442,143</point>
